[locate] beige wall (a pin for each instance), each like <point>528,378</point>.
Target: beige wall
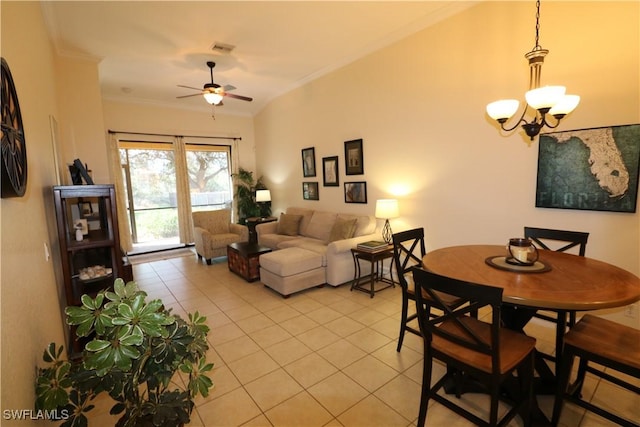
<point>419,107</point>
<point>30,312</point>
<point>80,117</point>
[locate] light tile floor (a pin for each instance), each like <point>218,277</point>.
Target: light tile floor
<point>323,357</point>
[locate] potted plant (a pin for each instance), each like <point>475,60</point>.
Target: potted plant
<point>246,188</point>
<point>150,362</point>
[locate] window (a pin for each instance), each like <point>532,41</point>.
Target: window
<point>149,172</point>
<point>209,168</point>
<point>150,181</point>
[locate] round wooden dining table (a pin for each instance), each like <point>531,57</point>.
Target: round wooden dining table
<point>564,282</point>
<point>571,282</point>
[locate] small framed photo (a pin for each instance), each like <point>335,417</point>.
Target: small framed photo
<point>355,192</point>
<point>308,162</point>
<point>330,172</point>
<point>310,191</point>
<point>353,157</point>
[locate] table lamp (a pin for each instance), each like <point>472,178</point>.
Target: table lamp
<point>387,209</point>
<point>262,198</point>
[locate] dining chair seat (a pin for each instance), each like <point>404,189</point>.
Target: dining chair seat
<point>598,343</point>
<point>509,356</point>
<point>474,348</point>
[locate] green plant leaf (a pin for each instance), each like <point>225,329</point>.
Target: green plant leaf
<point>119,287</point>
<point>88,302</point>
<point>49,354</point>
<point>97,345</point>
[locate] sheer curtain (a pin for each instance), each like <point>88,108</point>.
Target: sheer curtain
<point>115,166</point>
<point>185,221</point>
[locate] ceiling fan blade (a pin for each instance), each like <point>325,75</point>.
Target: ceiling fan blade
<point>188,96</point>
<point>189,87</point>
<point>243,98</point>
<point>228,87</point>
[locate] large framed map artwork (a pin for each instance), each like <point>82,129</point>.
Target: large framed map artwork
<point>589,169</point>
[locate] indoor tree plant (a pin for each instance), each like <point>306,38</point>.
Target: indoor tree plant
<point>246,188</point>
<point>135,352</point>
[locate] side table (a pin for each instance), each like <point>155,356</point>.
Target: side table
<point>243,259</point>
<point>251,223</point>
<point>376,259</point>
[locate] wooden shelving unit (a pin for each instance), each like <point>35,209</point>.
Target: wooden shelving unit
<point>99,248</point>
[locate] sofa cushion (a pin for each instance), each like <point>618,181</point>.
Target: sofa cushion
<point>342,229</point>
<point>307,243</point>
<point>365,224</point>
<point>320,225</point>
<point>289,224</point>
<point>273,240</point>
<point>306,217</point>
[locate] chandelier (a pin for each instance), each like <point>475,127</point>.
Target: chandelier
<point>546,101</point>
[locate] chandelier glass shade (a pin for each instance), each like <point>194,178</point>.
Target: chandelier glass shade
<point>546,101</point>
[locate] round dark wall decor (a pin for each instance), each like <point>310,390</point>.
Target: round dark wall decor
<point>14,150</point>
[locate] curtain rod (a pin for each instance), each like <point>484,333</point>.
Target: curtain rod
<point>234,138</point>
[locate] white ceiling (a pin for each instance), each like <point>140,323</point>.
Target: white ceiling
<point>146,48</point>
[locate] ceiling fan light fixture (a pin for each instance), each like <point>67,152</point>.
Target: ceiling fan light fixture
<point>213,98</point>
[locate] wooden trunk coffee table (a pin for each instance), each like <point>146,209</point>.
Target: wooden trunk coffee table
<point>243,259</point>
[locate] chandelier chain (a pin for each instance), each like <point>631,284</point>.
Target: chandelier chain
<point>537,46</point>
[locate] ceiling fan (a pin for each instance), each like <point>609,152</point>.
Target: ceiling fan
<point>213,92</point>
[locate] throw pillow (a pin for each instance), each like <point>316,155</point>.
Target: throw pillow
<point>288,224</point>
<point>342,229</point>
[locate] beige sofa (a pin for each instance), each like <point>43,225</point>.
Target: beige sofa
<point>213,231</point>
<point>322,233</point>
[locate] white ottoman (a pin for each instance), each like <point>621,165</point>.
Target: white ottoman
<point>291,270</point>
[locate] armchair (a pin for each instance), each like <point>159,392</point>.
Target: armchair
<point>213,231</point>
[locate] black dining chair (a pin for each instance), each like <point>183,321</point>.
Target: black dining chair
<point>607,350</point>
<point>483,350</point>
<point>559,241</point>
<point>408,250</point>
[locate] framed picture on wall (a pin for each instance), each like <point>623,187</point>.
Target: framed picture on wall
<point>355,192</point>
<point>308,162</point>
<point>310,191</point>
<point>353,157</point>
<point>589,169</point>
<point>330,171</point>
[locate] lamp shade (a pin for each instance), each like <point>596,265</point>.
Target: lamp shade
<point>213,98</point>
<point>387,208</point>
<point>263,196</point>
